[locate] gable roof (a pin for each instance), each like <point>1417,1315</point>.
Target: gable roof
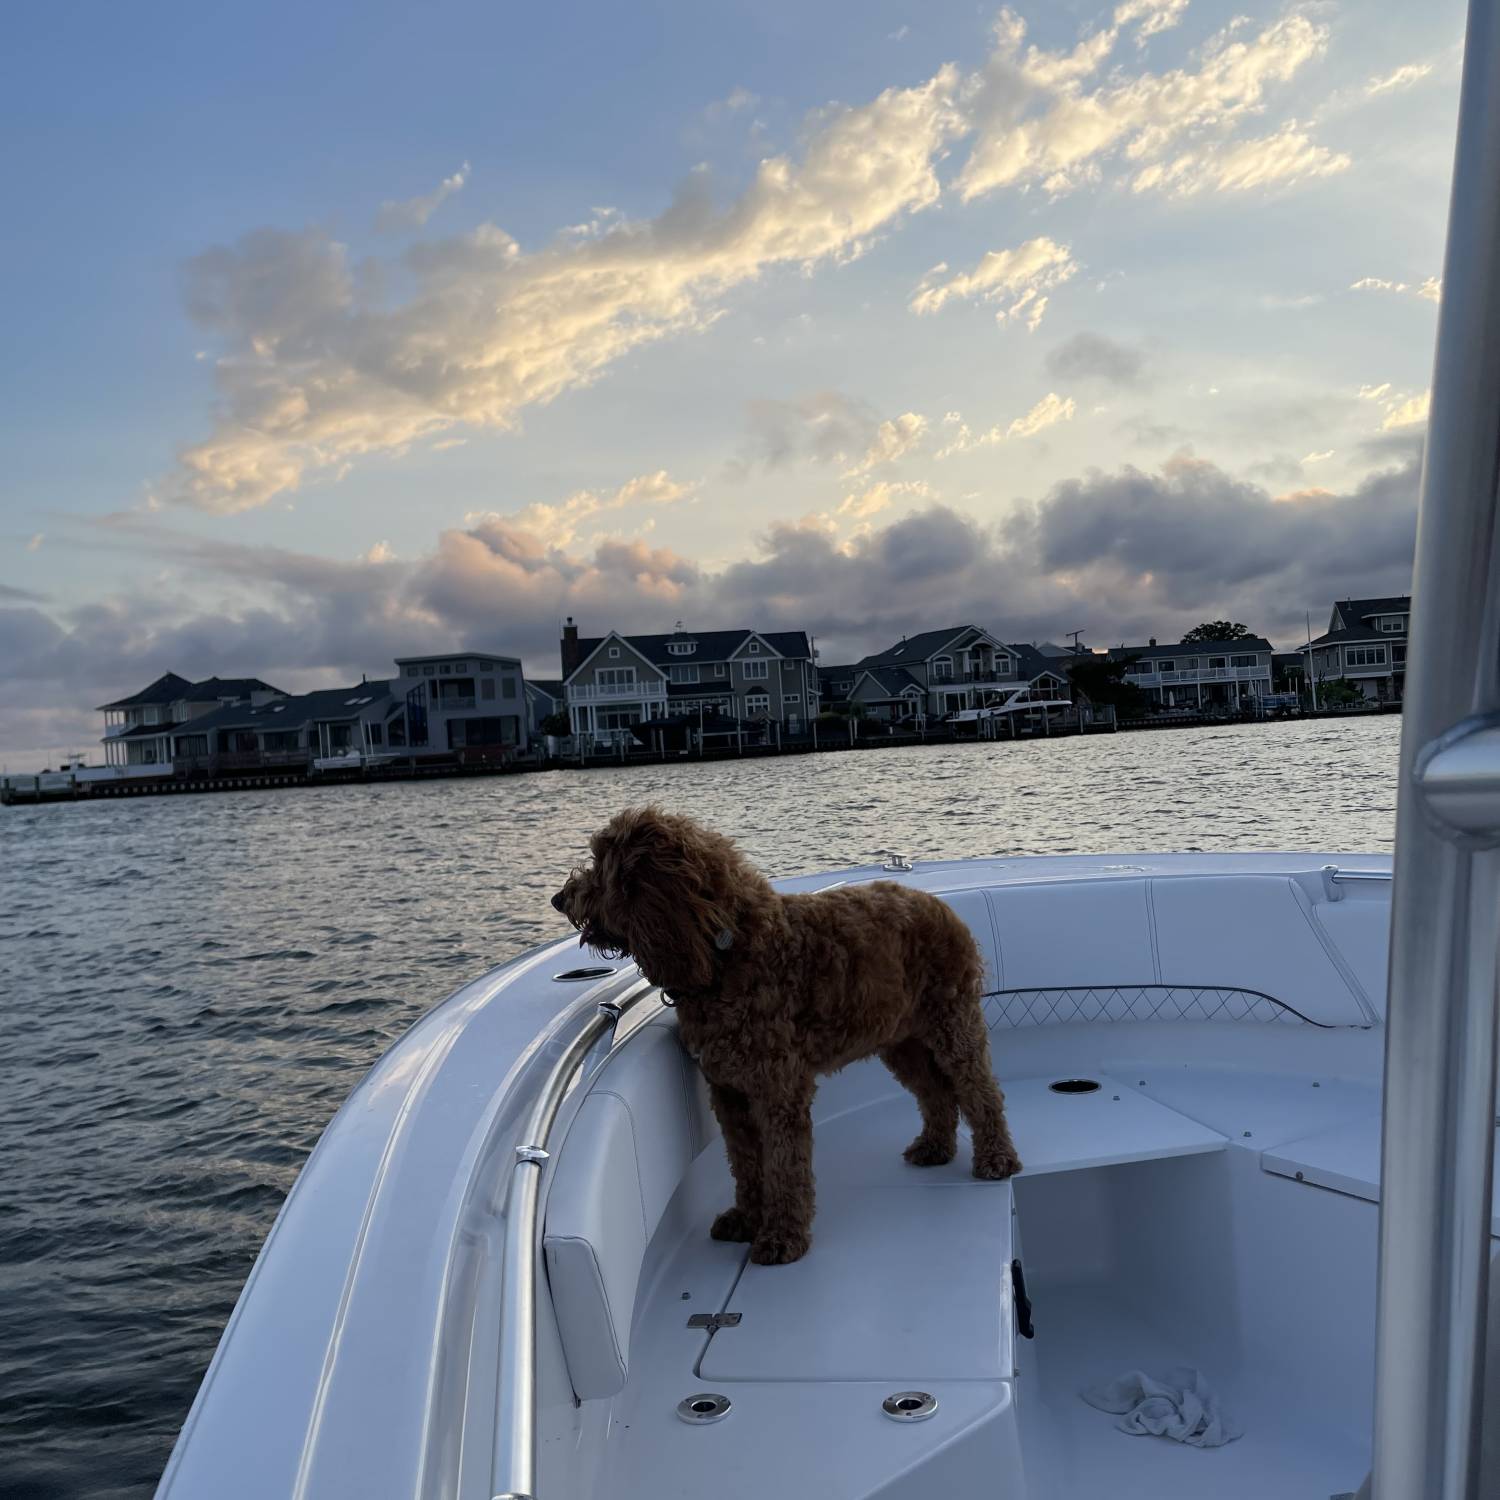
<point>167,688</point>
<point>548,687</point>
<point>227,687</point>
<point>891,680</point>
<point>711,645</point>
<point>1354,636</point>
<point>1354,612</point>
<point>915,649</point>
<point>1033,662</point>
<point>1253,643</point>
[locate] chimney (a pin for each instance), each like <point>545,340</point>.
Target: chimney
<point>1152,641</point>
<point>570,652</point>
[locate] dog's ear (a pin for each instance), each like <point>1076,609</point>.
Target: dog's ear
<point>657,871</point>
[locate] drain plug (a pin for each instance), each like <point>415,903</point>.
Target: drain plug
<point>909,1406</point>
<point>704,1407</point>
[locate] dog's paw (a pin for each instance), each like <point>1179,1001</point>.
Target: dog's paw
<point>926,1152</point>
<point>996,1165</point>
<point>780,1247</point>
<point>734,1224</point>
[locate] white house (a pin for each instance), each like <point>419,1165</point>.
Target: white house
<point>1201,674</point>
<point>612,682</point>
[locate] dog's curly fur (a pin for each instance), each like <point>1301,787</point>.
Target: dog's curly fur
<point>772,991</point>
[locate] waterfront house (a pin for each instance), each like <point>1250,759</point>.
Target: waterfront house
<point>287,731</point>
<point>1201,674</point>
<point>835,684</point>
<point>1365,644</point>
<point>939,672</point>
<point>138,730</point>
<point>473,702</point>
<point>612,682</point>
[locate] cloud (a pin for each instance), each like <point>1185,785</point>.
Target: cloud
<point>893,439</point>
<point>556,523</point>
<point>1091,356</point>
<point>1317,457</point>
<point>1430,290</point>
<point>882,495</point>
<point>1041,123</point>
<point>1051,408</point>
<point>9,594</point>
<point>1408,412</point>
<point>1402,78</point>
<point>34,543</point>
<point>1146,552</point>
<point>413,213</point>
<point>739,98</point>
<point>1014,281</point>
<point>824,427</point>
<point>1155,16</point>
<point>316,373</point>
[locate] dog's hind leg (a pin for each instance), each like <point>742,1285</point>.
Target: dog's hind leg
<point>917,1071</point>
<point>742,1146</point>
<point>961,1046</point>
<point>785,1123</point>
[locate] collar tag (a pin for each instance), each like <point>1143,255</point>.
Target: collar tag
<point>724,941</point>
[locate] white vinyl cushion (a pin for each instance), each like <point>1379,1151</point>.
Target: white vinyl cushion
<point>626,1150</point>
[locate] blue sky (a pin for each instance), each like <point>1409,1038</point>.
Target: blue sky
<point>345,330</point>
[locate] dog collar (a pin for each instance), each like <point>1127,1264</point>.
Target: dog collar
<point>724,941</point>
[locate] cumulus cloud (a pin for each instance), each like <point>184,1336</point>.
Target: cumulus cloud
<point>894,439</point>
<point>316,373</point>
<point>1013,281</point>
<point>1050,409</point>
<point>413,213</point>
<point>1408,413</point>
<point>1402,78</point>
<point>1048,119</point>
<point>1091,356</point>
<point>1155,16</point>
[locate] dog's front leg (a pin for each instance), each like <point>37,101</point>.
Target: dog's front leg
<point>742,1146</point>
<point>784,1118</point>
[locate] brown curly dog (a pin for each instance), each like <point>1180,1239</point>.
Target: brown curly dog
<point>772,991</point>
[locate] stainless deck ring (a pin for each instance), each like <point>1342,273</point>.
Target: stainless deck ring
<point>909,1406</point>
<point>706,1406</point>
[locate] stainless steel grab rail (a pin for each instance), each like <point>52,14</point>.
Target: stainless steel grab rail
<point>1438,1131</point>
<point>513,1476</point>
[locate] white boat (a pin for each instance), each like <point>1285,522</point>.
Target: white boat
<point>1254,1147</point>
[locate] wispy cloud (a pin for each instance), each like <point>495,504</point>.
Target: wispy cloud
<point>1013,281</point>
<point>34,543</point>
<point>1402,78</point>
<point>413,213</point>
<point>1050,409</point>
<point>1400,408</point>
<point>893,439</point>
<point>882,495</point>
<point>557,523</point>
<point>1430,290</point>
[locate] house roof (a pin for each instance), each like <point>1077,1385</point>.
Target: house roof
<point>891,680</point>
<point>915,648</point>
<point>1354,636</point>
<point>227,687</point>
<point>167,688</point>
<point>549,687</point>
<point>285,714</point>
<point>712,645</point>
<point>1195,648</point>
<point>1353,612</point>
<point>1033,662</point>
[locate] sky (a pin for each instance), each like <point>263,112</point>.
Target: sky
<point>345,331</point>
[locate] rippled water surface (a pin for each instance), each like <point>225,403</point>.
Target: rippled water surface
<point>190,987</point>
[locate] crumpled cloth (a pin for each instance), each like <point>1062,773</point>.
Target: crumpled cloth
<point>1180,1407</point>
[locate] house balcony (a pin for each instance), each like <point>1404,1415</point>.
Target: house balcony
<point>630,692</point>
<point>453,702</point>
<point>1204,675</point>
<point>983,676</point>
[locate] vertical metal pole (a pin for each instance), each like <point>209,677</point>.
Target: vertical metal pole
<point>1441,1028</point>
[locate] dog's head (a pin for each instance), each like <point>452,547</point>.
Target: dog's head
<point>662,890</point>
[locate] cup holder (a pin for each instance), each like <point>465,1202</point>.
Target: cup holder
<point>1074,1086</point>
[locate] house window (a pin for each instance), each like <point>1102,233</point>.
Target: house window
<point>1216,663</point>
<point>683,674</point>
<point>1398,655</point>
<point>1365,656</point>
<point>507,687</point>
<point>755,669</point>
<point>942,669</point>
<point>427,671</point>
<point>757,703</point>
<point>411,671</point>
<point>1165,666</point>
<point>1393,626</point>
<point>1002,666</point>
<point>614,651</point>
<point>486,687</point>
<point>375,734</point>
<point>718,669</point>
<point>754,647</point>
<point>459,666</point>
<point>615,677</point>
<point>682,648</point>
<point>789,666</point>
<point>1242,661</point>
<point>791,700</point>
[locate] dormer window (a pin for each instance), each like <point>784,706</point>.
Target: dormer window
<point>682,648</point>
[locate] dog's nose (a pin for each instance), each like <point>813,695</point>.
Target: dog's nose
<point>557,901</point>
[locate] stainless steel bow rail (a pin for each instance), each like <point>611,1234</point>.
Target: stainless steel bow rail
<point>1438,1132</point>
<point>514,1467</point>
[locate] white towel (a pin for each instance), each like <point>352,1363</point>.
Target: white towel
<point>1180,1407</point>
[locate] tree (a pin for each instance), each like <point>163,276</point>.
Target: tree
<point>1216,630</point>
<point>1338,692</point>
<point>1101,679</point>
<point>559,724</point>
